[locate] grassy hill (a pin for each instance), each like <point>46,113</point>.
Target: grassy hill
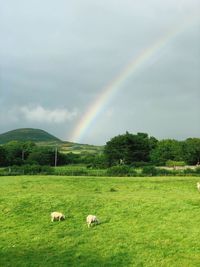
<point>27,134</point>
<point>145,222</point>
<point>42,138</point>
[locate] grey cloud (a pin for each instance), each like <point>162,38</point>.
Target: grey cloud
<point>61,54</point>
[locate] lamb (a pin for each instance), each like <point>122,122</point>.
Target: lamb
<point>91,219</point>
<point>57,216</point>
<point>198,186</point>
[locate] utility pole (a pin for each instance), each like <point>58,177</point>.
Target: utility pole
<point>23,154</point>
<point>56,156</point>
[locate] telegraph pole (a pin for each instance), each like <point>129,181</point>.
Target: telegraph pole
<point>56,156</point>
<point>23,154</point>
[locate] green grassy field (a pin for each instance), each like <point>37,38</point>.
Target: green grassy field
<point>144,221</point>
<point>69,147</point>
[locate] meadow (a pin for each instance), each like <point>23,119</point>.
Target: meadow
<point>150,221</point>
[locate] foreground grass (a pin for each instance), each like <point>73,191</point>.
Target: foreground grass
<point>144,221</point>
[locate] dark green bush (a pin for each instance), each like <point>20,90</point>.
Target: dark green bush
<point>149,171</point>
<point>138,164</point>
<point>162,172</point>
<point>197,171</point>
<point>29,169</point>
<point>188,171</point>
<point>121,170</point>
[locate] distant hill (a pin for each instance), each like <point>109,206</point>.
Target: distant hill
<point>43,138</point>
<point>27,134</point>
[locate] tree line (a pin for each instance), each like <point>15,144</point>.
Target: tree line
<point>137,148</point>
<point>20,153</point>
<point>127,149</point>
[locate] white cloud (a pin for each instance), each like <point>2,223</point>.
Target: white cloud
<point>42,115</point>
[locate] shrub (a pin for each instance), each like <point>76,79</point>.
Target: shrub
<point>138,164</point>
<point>162,172</point>
<point>29,169</point>
<point>149,171</point>
<point>189,171</point>
<point>197,170</point>
<point>120,171</point>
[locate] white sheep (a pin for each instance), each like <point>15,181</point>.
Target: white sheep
<point>198,186</point>
<point>91,219</point>
<point>57,216</point>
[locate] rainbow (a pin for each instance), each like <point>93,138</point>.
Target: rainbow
<point>107,93</point>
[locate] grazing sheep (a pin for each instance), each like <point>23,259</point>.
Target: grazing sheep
<point>91,219</point>
<point>57,216</point>
<point>198,186</point>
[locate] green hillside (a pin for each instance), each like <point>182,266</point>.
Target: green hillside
<point>27,134</point>
<point>42,138</point>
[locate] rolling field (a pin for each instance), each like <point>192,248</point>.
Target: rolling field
<point>144,221</point>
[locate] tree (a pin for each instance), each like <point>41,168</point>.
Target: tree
<point>14,153</point>
<point>167,150</point>
<point>46,156</point>
<point>129,148</point>
<point>42,156</point>
<point>73,158</point>
<point>17,152</point>
<point>27,148</point>
<point>115,150</point>
<point>3,159</point>
<point>191,148</point>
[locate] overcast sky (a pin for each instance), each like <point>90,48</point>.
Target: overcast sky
<point>57,56</point>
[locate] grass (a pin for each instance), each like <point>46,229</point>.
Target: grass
<point>144,221</point>
<point>75,148</point>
